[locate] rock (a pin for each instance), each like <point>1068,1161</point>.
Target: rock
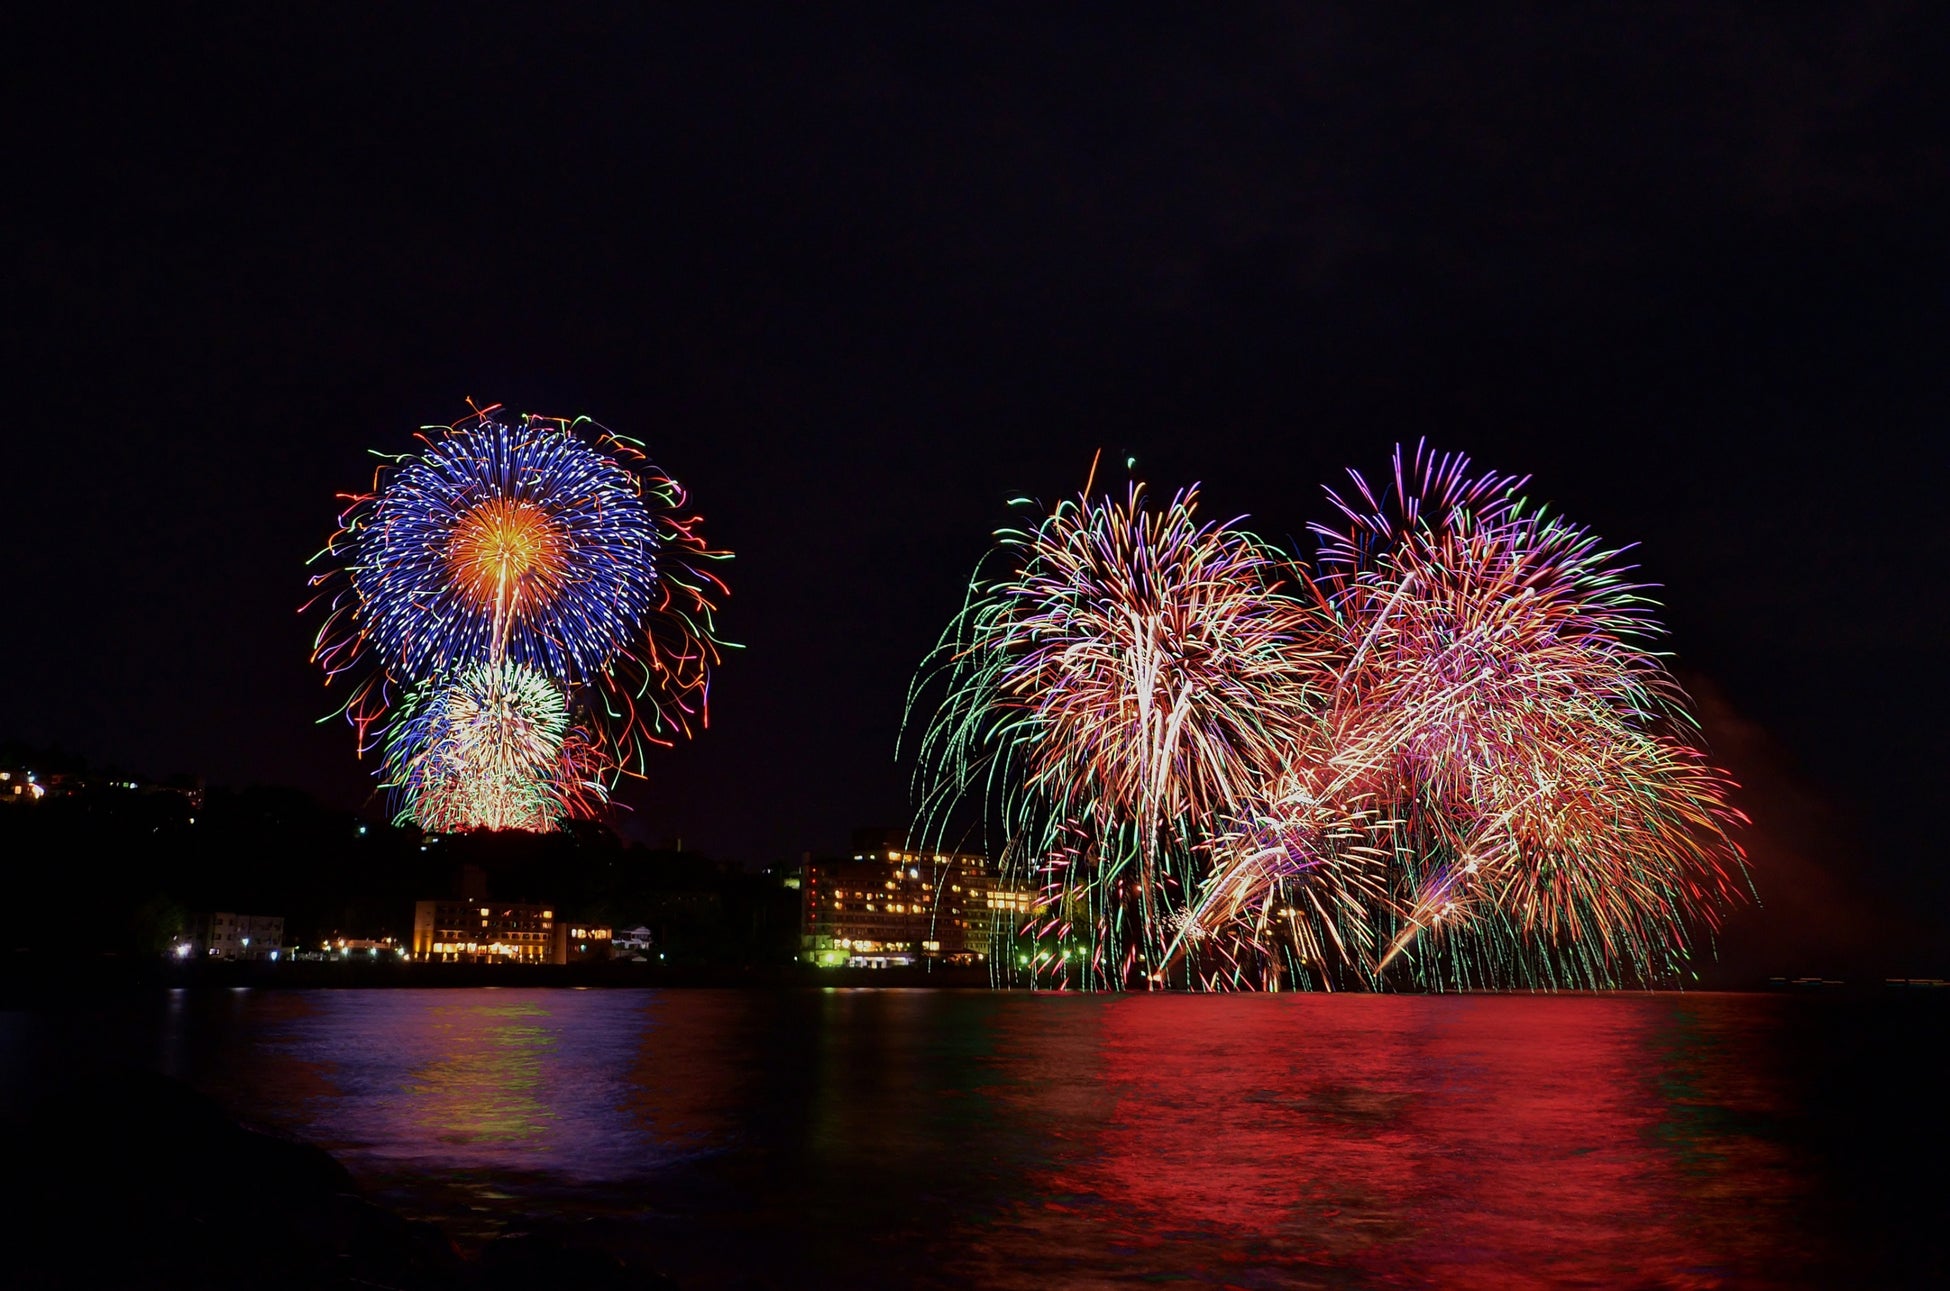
<point>139,1181</point>
<point>565,1253</point>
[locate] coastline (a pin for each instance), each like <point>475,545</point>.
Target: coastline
<point>25,980</point>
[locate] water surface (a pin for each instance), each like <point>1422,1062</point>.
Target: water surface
<point>926,1138</point>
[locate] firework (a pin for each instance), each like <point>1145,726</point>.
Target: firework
<point>490,747</point>
<point>1447,753</point>
<point>1294,879</point>
<point>520,608</point>
<point>1556,820</point>
<point>1123,681</point>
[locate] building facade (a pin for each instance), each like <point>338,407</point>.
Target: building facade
<point>223,934</point>
<point>480,931</point>
<point>893,907</point>
<point>578,943</point>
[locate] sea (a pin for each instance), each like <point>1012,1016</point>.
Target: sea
<point>926,1138</point>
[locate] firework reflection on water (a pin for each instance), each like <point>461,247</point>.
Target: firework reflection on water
<point>938,1139</point>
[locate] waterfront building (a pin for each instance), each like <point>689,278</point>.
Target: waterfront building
<point>480,931</point>
<point>339,946</point>
<point>578,943</point>
<point>894,906</point>
<point>631,943</point>
<point>20,786</point>
<point>224,934</point>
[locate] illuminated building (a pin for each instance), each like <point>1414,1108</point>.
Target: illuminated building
<point>358,948</point>
<point>20,786</point>
<point>577,943</point>
<point>894,906</point>
<point>480,931</point>
<point>226,935</point>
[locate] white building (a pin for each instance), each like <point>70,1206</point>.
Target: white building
<point>226,935</point>
<point>631,943</point>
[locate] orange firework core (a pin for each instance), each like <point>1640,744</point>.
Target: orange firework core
<point>507,554</point>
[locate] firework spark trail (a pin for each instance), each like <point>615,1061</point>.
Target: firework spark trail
<point>1612,855</point>
<point>1291,884</point>
<point>1124,677</point>
<point>1450,746</point>
<point>479,747</point>
<point>530,605</point>
<point>1513,708</point>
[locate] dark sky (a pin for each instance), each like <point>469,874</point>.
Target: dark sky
<point>858,279</point>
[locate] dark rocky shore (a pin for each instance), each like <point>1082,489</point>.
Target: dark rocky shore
<point>128,1179</point>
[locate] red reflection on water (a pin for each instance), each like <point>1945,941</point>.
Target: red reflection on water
<point>686,1076</point>
<point>947,1139</point>
<point>1480,1142</point>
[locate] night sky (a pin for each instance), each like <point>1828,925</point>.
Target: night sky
<point>859,279</point>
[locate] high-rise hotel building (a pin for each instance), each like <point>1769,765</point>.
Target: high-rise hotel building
<point>894,906</point>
